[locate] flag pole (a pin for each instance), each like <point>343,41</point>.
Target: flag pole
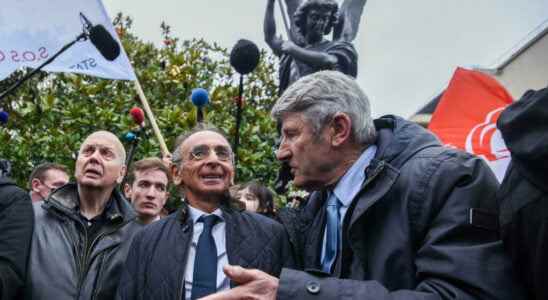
<point>151,118</point>
<point>284,18</point>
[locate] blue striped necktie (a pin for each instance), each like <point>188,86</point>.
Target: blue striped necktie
<point>332,235</point>
<point>204,281</point>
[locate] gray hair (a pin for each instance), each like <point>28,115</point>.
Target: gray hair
<point>319,96</point>
<point>177,154</point>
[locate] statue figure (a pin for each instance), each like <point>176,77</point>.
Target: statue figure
<point>307,51</point>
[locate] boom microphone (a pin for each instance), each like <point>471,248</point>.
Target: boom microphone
<point>138,115</point>
<point>244,57</point>
<point>199,98</point>
<point>101,39</point>
<point>104,42</point>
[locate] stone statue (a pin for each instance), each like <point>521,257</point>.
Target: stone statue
<point>307,50</point>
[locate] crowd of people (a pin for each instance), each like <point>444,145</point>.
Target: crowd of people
<point>391,214</point>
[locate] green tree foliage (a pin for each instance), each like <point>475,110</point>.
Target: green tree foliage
<point>52,113</point>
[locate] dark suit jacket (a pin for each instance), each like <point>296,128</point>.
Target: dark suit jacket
<point>407,234</point>
<point>156,264</point>
<point>523,194</point>
<point>16,224</point>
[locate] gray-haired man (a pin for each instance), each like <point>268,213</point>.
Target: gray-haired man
<point>182,256</point>
<point>388,218</point>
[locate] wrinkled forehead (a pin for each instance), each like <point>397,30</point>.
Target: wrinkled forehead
<point>293,120</point>
<point>205,138</point>
<point>104,139</point>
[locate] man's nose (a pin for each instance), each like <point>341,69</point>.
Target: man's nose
<point>95,156</point>
<point>151,192</point>
<point>282,153</point>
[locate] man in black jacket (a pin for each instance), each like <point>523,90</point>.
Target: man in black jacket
<point>16,222</point>
<point>181,256</point>
<point>523,194</point>
<point>389,215</point>
<point>83,230</point>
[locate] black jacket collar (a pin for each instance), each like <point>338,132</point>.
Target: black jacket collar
<point>65,201</point>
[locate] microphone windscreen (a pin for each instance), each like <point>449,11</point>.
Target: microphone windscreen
<point>244,57</point>
<point>104,42</point>
<point>4,117</point>
<point>138,115</point>
<point>199,97</point>
<point>130,137</point>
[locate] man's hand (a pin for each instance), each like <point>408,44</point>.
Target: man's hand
<point>252,284</point>
<point>167,160</point>
<point>287,46</point>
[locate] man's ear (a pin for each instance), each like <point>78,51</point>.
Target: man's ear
<point>340,129</point>
<point>127,191</point>
<point>176,174</point>
<point>35,185</point>
<point>122,174</point>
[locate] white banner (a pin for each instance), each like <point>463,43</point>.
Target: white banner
<point>31,31</point>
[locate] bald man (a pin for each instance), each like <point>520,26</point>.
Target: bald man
<point>83,230</point>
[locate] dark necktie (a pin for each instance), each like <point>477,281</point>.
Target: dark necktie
<point>204,281</point>
<point>332,236</point>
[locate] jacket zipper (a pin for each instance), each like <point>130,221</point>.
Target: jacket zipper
<point>84,260</point>
<point>80,260</point>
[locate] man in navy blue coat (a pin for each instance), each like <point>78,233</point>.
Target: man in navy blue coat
<point>183,255</point>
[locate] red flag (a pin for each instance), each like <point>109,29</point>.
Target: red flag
<point>466,117</point>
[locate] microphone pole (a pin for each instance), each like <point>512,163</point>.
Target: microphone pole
<point>238,119</point>
<point>135,136</point>
<point>199,98</point>
<point>98,35</point>
<point>11,89</point>
<point>244,57</point>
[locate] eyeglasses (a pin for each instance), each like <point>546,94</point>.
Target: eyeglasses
<point>202,152</point>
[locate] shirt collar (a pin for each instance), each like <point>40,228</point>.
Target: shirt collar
<point>350,184</point>
<point>196,213</point>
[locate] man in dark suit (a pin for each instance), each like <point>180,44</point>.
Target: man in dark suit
<point>182,256</point>
<point>389,217</point>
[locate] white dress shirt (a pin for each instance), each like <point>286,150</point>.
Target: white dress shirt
<point>219,235</point>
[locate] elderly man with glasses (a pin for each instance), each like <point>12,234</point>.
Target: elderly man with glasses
<point>182,256</point>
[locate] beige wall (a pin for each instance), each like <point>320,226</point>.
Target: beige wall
<point>528,71</point>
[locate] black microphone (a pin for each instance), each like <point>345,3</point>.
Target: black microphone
<point>244,57</point>
<point>104,42</point>
<point>102,39</point>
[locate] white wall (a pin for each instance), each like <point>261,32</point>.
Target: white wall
<point>528,71</point>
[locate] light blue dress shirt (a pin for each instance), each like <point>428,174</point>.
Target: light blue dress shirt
<point>219,235</point>
<point>348,187</point>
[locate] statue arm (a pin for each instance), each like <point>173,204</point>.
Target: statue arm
<point>269,28</point>
<point>316,59</point>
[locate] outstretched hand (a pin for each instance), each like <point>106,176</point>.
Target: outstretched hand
<point>252,284</point>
